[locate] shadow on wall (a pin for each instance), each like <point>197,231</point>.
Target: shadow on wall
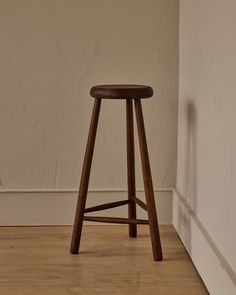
<point>190,173</point>
<point>190,167</point>
<point>189,205</point>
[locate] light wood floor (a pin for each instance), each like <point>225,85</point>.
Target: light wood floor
<point>36,260</point>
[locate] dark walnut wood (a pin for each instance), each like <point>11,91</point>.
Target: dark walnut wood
<point>139,202</point>
<point>121,91</point>
<point>106,206</point>
<point>130,166</point>
<point>130,93</point>
<point>84,181</point>
<point>115,220</point>
<point>148,186</point>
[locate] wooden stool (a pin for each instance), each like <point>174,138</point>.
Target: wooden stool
<point>129,93</point>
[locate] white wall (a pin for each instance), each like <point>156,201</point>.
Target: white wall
<point>51,53</point>
<point>204,202</point>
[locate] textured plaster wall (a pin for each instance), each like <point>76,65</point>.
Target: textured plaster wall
<point>51,53</point>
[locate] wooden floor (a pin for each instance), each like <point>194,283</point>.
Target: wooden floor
<point>36,260</point>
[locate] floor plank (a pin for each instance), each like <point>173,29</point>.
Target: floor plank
<point>36,260</point>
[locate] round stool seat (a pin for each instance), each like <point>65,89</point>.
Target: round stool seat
<point>121,91</point>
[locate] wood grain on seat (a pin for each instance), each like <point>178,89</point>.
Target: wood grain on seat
<point>121,91</point>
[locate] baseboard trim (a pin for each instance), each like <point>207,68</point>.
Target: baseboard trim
<point>215,271</point>
<point>57,207</point>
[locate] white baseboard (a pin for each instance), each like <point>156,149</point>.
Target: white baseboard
<point>28,208</point>
<point>215,271</point>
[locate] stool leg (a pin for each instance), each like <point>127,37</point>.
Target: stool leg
<point>131,166</point>
<point>83,190</point>
<point>148,186</point>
